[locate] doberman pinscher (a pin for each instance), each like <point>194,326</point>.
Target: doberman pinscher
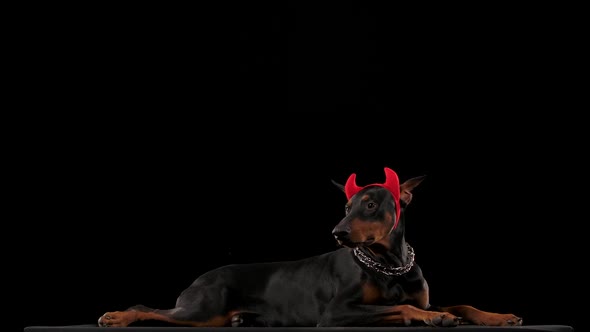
<point>371,280</point>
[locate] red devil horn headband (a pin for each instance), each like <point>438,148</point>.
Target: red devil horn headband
<point>391,184</point>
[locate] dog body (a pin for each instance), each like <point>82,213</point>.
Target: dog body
<point>372,280</point>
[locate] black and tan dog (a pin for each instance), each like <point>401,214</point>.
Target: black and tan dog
<point>373,280</point>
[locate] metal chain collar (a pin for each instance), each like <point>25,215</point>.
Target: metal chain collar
<point>385,269</point>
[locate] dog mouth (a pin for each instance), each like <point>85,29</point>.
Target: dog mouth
<point>350,244</point>
<point>345,243</point>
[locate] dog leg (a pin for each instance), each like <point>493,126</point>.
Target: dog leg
<point>177,316</point>
<point>374,315</point>
<point>180,317</point>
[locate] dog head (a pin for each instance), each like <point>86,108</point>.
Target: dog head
<point>373,212</point>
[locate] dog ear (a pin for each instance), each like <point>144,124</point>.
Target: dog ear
<point>340,186</point>
<point>406,189</point>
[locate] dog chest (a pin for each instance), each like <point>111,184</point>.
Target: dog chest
<point>394,291</point>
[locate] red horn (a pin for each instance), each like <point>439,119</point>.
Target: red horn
<point>392,184</point>
<point>350,188</point>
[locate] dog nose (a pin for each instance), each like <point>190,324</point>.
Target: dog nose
<point>340,233</point>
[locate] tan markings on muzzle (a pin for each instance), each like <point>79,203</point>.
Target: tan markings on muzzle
<point>361,230</point>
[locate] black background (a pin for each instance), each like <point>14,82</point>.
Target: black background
<point>177,140</point>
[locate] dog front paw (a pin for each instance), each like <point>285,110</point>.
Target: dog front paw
<point>442,319</point>
<point>493,319</point>
<point>117,319</point>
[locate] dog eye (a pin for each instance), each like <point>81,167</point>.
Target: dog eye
<point>371,205</point>
<point>346,209</point>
